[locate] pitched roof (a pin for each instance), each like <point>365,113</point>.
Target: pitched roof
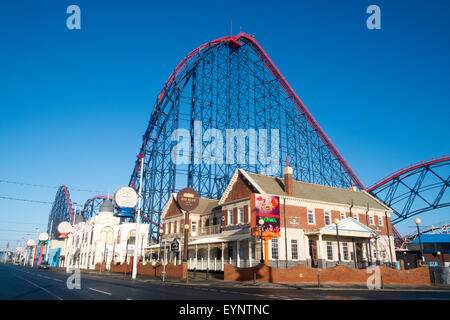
<point>205,206</point>
<point>311,191</point>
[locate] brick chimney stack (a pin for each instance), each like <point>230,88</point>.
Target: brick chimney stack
<point>288,182</point>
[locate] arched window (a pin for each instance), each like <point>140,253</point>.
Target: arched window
<point>107,235</point>
<point>131,237</point>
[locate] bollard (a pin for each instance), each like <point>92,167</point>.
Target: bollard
<point>207,272</point>
<point>195,272</point>
<point>254,278</point>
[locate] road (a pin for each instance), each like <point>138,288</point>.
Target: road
<point>24,283</point>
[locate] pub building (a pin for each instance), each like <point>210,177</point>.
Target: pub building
<point>314,225</point>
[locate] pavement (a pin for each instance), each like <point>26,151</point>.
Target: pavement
<point>25,283</point>
<point>200,280</point>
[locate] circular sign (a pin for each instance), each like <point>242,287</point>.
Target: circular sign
<point>126,197</point>
<point>30,243</point>
<point>64,227</point>
<point>188,199</point>
<point>43,236</point>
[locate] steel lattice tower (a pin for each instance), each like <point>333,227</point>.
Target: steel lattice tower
<point>230,83</point>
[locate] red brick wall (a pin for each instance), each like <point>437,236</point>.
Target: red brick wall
<point>338,274</point>
<point>172,271</point>
<point>240,190</point>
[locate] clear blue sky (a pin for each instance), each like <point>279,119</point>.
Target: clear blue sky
<point>75,103</point>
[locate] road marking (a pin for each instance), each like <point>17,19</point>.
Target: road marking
<point>100,291</point>
<point>129,299</point>
<point>40,287</point>
<point>57,280</point>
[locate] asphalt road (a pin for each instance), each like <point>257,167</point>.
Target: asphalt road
<point>25,283</point>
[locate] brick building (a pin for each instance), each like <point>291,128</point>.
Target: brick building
<point>220,231</point>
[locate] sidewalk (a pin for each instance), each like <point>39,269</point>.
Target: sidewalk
<point>251,284</point>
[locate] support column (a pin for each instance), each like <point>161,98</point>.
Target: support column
<point>320,258</point>
<point>308,256</point>
<point>238,258</point>
<point>223,245</point>
<point>196,257</point>
<point>207,267</point>
<point>250,252</point>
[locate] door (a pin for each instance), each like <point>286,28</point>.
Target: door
<point>313,253</point>
<point>359,257</point>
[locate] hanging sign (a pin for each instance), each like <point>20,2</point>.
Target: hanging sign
<point>188,199</point>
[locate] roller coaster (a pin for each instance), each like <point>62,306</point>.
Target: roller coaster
<point>231,83</point>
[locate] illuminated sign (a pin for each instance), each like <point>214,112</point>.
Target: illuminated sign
<point>266,207</point>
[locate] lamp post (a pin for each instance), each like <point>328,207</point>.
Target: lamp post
<point>142,246</point>
<point>136,243</point>
<point>438,255</point>
<point>417,221</point>
<point>336,222</point>
<point>186,239</point>
<point>161,232</point>
<point>261,224</point>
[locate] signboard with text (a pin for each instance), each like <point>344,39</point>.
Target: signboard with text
<point>266,207</point>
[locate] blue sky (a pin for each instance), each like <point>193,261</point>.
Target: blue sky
<point>75,103</point>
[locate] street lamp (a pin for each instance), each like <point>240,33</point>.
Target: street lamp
<point>161,232</point>
<point>261,224</point>
<point>438,254</point>
<point>142,246</point>
<point>417,221</point>
<point>138,218</point>
<point>186,240</point>
<point>336,222</point>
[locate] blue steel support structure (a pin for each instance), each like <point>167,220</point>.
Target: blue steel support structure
<point>230,83</point>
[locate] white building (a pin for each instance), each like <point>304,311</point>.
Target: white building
<point>104,238</point>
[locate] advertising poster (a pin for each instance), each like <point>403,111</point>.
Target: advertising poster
<point>266,207</point>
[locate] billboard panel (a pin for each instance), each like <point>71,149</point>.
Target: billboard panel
<point>266,207</point>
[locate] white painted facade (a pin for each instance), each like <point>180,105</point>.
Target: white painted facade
<point>103,239</point>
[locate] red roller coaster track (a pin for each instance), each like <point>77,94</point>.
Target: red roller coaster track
<point>235,41</point>
<point>407,169</point>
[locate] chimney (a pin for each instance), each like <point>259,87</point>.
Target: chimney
<point>288,182</point>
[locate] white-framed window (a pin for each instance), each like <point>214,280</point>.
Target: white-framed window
<point>329,250</point>
<point>178,226</point>
<point>171,227</point>
<point>294,249</point>
<point>249,212</point>
<point>230,216</point>
<point>345,250</point>
<point>342,215</point>
<point>371,220</point>
<point>327,218</point>
<point>241,215</point>
<point>167,228</point>
<point>311,218</point>
<point>194,226</point>
<point>380,220</point>
<point>274,248</point>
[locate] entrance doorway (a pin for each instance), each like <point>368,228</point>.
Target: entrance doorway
<point>313,253</point>
<point>358,246</point>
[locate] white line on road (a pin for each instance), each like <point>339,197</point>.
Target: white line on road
<point>100,291</point>
<point>39,287</point>
<point>57,280</point>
